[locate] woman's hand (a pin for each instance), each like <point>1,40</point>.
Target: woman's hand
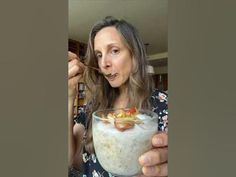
<point>75,74</point>
<point>155,161</point>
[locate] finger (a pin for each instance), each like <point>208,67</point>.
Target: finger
<point>73,82</point>
<point>154,156</point>
<point>75,62</point>
<point>158,170</point>
<point>72,62</point>
<point>75,69</point>
<point>72,56</point>
<point>160,139</point>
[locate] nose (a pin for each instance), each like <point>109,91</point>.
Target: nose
<point>105,62</point>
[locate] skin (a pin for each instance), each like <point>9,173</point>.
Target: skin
<point>113,56</point>
<point>115,61</point>
<point>75,70</point>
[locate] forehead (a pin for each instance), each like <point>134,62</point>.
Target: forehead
<point>106,36</point>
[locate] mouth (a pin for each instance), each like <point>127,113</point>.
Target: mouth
<point>110,76</point>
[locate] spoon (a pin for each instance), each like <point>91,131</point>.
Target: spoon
<point>92,67</point>
<point>99,70</point>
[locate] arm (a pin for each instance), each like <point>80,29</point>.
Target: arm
<point>75,70</point>
<point>71,139</point>
<point>75,137</point>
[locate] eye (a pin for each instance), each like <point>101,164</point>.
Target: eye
<point>98,55</point>
<point>115,51</point>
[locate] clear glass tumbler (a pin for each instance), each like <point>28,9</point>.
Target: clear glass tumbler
<point>118,150</point>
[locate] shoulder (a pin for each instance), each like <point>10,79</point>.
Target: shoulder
<point>159,102</point>
<point>158,96</point>
<point>81,117</point>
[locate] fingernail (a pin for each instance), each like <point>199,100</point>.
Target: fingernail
<point>157,141</point>
<point>144,159</point>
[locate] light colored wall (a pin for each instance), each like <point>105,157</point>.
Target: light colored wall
<point>161,70</point>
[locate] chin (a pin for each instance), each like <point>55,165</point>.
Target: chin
<point>114,85</point>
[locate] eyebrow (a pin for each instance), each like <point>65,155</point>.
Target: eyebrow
<point>108,46</point>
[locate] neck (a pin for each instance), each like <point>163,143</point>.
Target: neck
<point>123,91</point>
<point>123,99</point>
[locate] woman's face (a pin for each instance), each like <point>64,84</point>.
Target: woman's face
<point>114,58</point>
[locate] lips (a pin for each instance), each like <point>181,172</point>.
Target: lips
<point>111,77</point>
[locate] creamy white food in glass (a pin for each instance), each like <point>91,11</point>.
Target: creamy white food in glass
<point>118,151</point>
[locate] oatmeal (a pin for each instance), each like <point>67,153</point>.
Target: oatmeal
<point>118,149</point>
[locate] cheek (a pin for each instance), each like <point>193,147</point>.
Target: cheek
<point>127,68</point>
<point>130,65</point>
<point>99,64</point>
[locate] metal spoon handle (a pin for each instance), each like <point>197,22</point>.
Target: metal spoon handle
<point>92,67</point>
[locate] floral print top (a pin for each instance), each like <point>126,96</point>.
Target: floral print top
<point>91,166</point>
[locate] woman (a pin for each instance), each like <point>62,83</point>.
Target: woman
<point>115,48</point>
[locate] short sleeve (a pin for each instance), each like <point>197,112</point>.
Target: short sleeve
<point>159,102</point>
<point>81,118</point>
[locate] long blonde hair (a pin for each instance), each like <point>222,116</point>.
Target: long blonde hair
<point>100,95</point>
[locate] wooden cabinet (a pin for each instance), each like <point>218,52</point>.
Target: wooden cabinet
<point>161,81</point>
<point>81,97</point>
<point>80,100</point>
<point>77,47</point>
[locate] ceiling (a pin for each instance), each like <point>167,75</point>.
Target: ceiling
<point>148,16</point>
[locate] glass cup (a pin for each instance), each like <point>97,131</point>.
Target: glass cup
<point>119,146</point>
